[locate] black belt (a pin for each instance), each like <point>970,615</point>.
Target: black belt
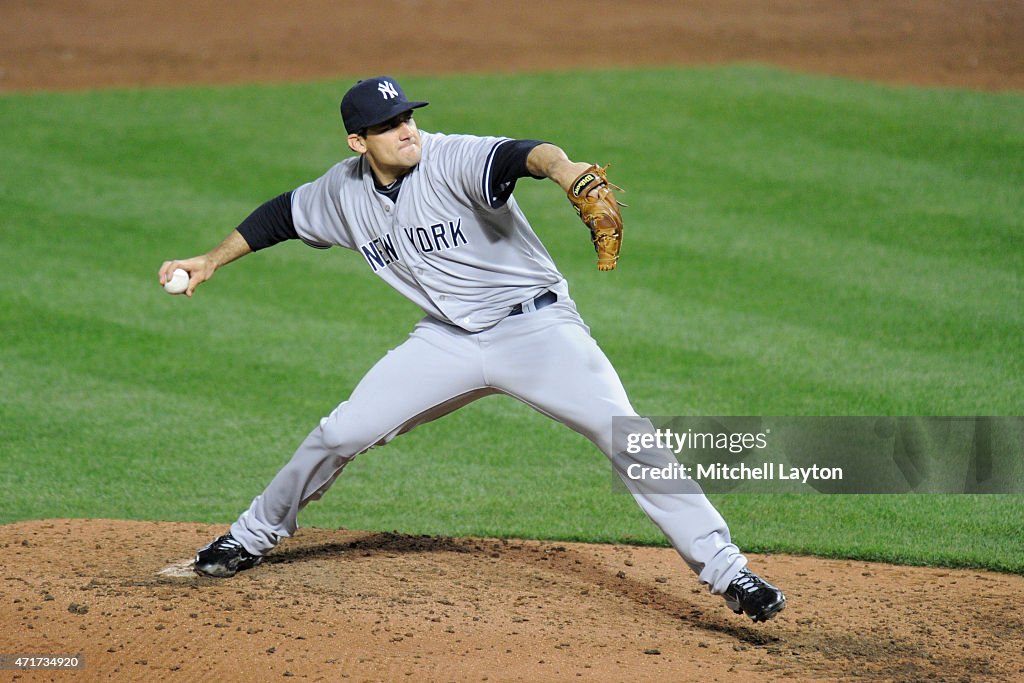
<point>545,299</point>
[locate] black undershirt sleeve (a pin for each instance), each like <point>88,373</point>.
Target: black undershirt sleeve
<point>508,165</point>
<point>270,223</point>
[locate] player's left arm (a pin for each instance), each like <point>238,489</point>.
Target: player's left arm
<point>591,193</point>
<point>550,161</point>
<point>511,160</point>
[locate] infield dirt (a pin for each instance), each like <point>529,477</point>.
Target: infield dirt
<point>61,44</point>
<point>333,604</point>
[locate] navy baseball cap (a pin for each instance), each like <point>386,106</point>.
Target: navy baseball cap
<point>373,101</point>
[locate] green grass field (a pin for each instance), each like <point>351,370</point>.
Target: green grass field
<point>795,246</point>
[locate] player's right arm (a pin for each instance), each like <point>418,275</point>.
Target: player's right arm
<point>269,224</point>
<point>201,268</point>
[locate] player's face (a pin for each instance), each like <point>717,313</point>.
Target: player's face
<point>392,147</point>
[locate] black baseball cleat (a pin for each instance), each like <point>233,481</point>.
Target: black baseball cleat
<point>751,594</point>
<point>224,557</point>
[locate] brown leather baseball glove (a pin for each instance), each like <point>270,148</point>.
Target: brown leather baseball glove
<point>592,197</point>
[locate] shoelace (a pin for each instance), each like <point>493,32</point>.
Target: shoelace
<point>227,543</point>
<point>746,582</point>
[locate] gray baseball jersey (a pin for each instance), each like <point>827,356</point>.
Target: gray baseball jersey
<point>462,257</point>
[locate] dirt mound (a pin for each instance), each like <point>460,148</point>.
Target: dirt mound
<point>331,605</point>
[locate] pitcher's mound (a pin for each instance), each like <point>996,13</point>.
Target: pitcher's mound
<point>329,605</point>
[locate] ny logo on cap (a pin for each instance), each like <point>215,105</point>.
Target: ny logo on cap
<point>387,90</point>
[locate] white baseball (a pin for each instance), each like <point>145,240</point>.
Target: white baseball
<point>178,282</point>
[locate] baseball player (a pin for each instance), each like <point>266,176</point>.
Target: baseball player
<point>433,215</point>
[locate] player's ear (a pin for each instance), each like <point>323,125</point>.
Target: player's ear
<point>357,143</point>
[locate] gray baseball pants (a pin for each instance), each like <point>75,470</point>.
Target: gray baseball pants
<point>545,358</point>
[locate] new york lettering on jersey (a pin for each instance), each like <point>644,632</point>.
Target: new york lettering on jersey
<point>380,252</point>
<point>438,237</point>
